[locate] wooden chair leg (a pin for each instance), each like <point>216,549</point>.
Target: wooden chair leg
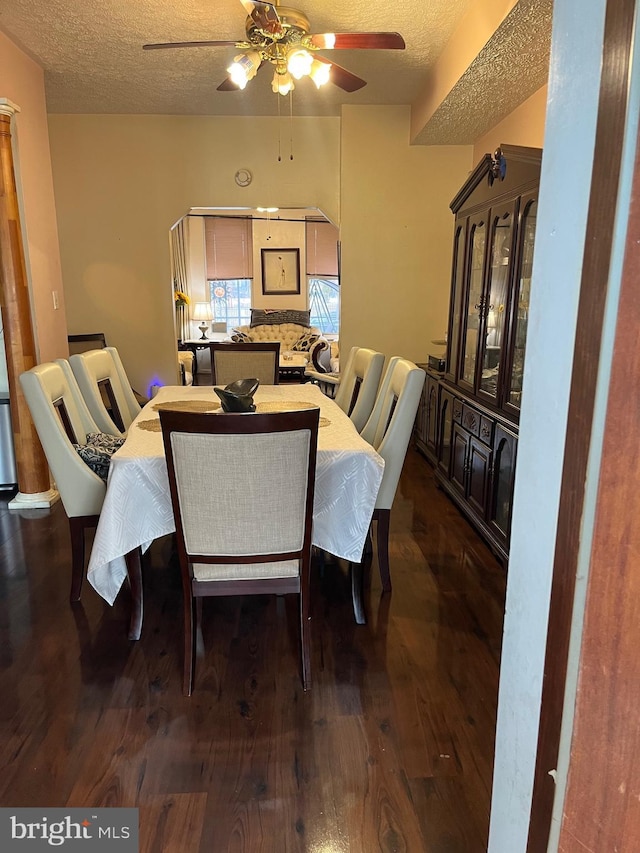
<point>192,611</point>
<point>382,517</point>
<point>305,623</point>
<point>357,597</point>
<point>134,572</point>
<point>367,551</point>
<point>358,573</point>
<point>76,528</point>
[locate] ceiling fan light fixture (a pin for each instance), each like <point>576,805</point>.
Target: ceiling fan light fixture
<point>282,83</point>
<point>320,72</point>
<point>299,62</point>
<point>282,36</point>
<point>244,68</point>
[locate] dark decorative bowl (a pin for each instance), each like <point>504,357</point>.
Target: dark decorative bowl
<point>238,396</point>
<point>243,387</point>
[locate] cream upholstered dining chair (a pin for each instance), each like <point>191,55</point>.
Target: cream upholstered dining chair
<point>107,392</point>
<point>389,430</point>
<point>359,382</point>
<point>62,419</point>
<point>234,539</point>
<point>232,361</point>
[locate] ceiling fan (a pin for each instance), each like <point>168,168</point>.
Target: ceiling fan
<point>281,35</point>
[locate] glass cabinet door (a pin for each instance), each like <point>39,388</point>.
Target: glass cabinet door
<point>445,427</point>
<point>474,304</point>
<point>503,476</point>
<point>495,304</point>
<point>521,308</point>
<point>455,309</point>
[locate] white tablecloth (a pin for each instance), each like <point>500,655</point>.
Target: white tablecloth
<point>137,507</point>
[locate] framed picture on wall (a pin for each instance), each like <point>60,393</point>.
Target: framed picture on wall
<point>280,272</point>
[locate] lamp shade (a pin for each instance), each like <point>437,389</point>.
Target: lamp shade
<point>202,311</point>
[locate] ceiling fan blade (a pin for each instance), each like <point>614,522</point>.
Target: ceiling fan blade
<point>356,41</point>
<point>343,78</point>
<point>264,15</point>
<point>172,44</point>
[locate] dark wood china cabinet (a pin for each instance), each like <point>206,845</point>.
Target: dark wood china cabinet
<point>468,425</point>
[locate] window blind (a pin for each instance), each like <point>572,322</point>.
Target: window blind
<point>322,248</point>
<point>228,247</point>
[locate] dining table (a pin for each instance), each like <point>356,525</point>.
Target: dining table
<point>137,507</point>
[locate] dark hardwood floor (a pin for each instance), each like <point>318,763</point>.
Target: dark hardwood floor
<point>391,750</point>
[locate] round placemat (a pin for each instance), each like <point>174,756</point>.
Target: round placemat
<point>152,425</point>
<point>288,406</point>
<point>188,405</point>
<point>264,407</point>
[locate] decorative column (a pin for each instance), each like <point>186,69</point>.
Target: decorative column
<point>31,464</point>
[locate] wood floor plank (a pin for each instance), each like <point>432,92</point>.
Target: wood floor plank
<point>172,823</point>
<point>390,750</point>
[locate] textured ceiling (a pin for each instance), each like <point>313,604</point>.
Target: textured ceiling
<point>485,94</point>
<point>94,63</point>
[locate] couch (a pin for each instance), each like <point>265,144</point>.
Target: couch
<point>291,328</point>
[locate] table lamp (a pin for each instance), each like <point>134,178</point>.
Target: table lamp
<point>202,311</point>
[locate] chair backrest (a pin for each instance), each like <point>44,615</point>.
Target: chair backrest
<point>100,374</point>
<point>320,356</point>
<point>242,489</point>
<point>82,343</point>
<point>382,387</point>
<point>232,361</point>
<point>61,419</point>
<point>359,384</point>
<point>390,426</point>
<point>186,361</point>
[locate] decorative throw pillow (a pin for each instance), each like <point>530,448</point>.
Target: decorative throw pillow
<point>98,450</point>
<point>276,316</point>
<point>98,460</point>
<point>104,441</point>
<point>305,342</point>
<point>240,337</point>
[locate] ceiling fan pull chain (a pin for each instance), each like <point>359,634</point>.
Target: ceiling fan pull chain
<point>279,128</point>
<point>290,125</point>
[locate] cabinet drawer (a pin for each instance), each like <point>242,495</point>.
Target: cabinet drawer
<point>457,410</point>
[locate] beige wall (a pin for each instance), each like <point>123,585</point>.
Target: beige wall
<point>272,235</point>
<point>196,264</point>
<point>22,81</point>
<point>396,233</point>
<point>121,182</point>
<point>524,126</point>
